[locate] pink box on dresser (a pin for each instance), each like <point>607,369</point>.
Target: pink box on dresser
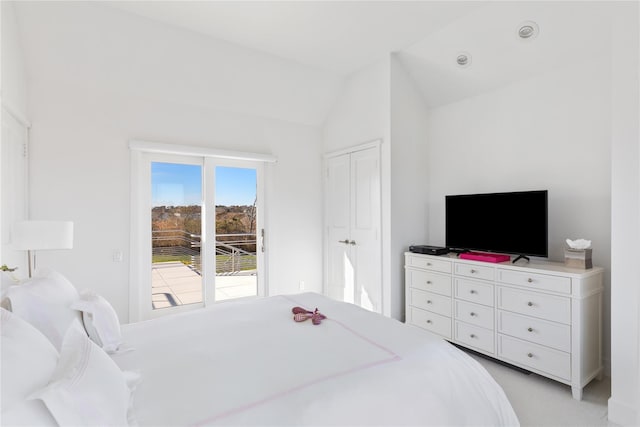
<point>480,256</point>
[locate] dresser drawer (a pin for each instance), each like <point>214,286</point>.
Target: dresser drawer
<point>474,291</point>
<point>433,322</point>
<point>546,360</point>
<point>434,264</point>
<point>543,282</point>
<point>475,271</point>
<point>542,306</point>
<point>430,301</point>
<point>476,314</point>
<point>474,336</point>
<point>430,282</point>
<point>550,334</point>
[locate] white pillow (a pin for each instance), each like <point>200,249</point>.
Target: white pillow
<point>45,302</point>
<point>28,362</point>
<point>87,387</point>
<point>28,413</point>
<point>7,280</point>
<point>100,320</point>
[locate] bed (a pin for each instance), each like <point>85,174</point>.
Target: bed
<point>67,361</point>
<point>248,362</point>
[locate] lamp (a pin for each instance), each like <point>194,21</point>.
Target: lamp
<point>41,235</point>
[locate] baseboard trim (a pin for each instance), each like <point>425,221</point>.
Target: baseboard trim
<point>621,413</point>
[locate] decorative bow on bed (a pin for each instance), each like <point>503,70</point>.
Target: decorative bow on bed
<point>300,315</point>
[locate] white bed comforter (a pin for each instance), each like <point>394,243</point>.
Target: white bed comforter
<point>249,363</point>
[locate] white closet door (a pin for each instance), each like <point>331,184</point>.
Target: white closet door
<point>365,228</point>
<point>340,282</point>
<point>14,187</point>
<point>353,228</point>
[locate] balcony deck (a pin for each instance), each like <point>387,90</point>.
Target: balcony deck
<point>174,283</point>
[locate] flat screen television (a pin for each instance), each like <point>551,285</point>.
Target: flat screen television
<point>507,223</point>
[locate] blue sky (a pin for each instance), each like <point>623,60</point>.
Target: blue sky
<point>235,186</point>
<point>175,184</point>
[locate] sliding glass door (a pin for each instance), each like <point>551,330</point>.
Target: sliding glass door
<point>204,232</point>
<point>236,237</point>
<point>176,230</point>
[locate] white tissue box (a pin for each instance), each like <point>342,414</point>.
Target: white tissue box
<point>577,258</point>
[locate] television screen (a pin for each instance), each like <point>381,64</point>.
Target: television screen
<point>509,223</point>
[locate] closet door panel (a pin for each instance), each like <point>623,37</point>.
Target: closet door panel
<point>14,183</point>
<point>339,265</point>
<point>365,228</point>
<point>353,257</point>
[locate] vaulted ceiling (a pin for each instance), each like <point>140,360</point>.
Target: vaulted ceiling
<point>345,36</point>
<point>338,36</point>
<point>295,55</point>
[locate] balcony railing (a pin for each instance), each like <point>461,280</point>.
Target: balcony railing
<point>235,253</point>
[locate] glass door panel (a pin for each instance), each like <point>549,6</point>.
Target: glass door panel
<point>176,229</point>
<point>236,238</point>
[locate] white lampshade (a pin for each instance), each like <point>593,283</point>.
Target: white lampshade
<point>42,235</point>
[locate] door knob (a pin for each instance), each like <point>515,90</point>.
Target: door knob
<point>346,242</point>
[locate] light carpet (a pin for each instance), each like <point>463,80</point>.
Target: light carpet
<point>539,401</point>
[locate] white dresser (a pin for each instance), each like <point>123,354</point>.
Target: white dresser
<point>543,317</point>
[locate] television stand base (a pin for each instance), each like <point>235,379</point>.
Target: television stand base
<point>518,257</point>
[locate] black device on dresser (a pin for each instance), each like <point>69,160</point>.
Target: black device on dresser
<point>429,250</point>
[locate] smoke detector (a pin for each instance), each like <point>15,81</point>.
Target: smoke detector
<point>463,59</point>
<point>528,30</point>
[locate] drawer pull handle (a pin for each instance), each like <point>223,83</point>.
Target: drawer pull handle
<point>529,354</point>
<point>472,270</point>
<point>428,301</point>
<point>530,280</point>
<point>472,335</point>
<point>530,304</point>
<point>472,314</point>
<point>428,264</point>
<point>530,329</point>
<point>472,291</point>
<point>428,321</point>
<point>428,282</point>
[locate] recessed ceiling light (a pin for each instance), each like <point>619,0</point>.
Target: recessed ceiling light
<point>463,59</point>
<point>528,30</point>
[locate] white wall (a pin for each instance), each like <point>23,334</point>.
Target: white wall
<point>14,82</point>
<point>361,114</point>
<point>409,178</point>
<point>624,403</point>
<point>551,132</point>
<point>83,117</point>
